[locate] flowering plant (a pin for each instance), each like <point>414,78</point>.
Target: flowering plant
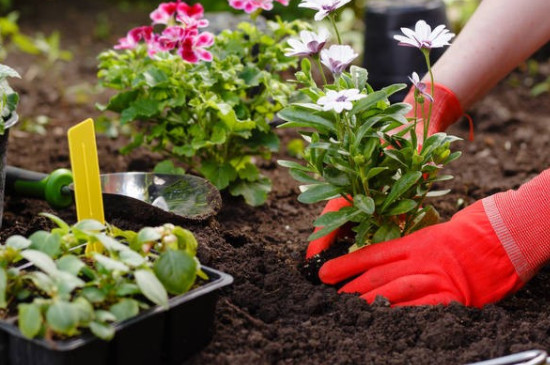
<point>362,147</point>
<point>200,98</point>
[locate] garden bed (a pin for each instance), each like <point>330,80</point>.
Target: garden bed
<point>272,314</point>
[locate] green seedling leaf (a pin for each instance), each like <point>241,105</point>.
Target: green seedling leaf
<point>131,258</point>
<point>124,309</point>
<point>58,221</point>
<point>30,319</point>
<point>218,174</point>
<point>177,270</point>
<point>67,282</point>
<point>89,225</point>
<point>168,167</point>
<point>302,176</point>
<point>18,242</point>
<point>111,244</point>
<point>84,309</point>
<point>42,281</point>
<point>110,264</point>
<point>93,294</point>
<point>151,287</point>
<point>400,187</point>
<point>364,203</point>
<point>50,244</point>
<point>317,192</point>
<point>102,330</point>
<point>40,260</point>
<point>367,102</point>
<point>148,234</point>
<point>127,289</point>
<point>104,316</point>
<point>63,317</point>
<point>3,287</point>
<point>70,264</point>
<point>186,240</point>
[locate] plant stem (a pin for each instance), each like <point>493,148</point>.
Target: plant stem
<point>321,71</point>
<point>333,22</point>
<point>426,53</point>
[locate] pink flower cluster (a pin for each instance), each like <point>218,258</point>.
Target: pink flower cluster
<point>181,33</point>
<point>250,6</point>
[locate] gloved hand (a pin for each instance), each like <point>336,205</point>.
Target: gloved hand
<point>446,110</point>
<point>485,252</point>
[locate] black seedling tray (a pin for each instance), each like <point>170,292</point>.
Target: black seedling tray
<point>156,336</point>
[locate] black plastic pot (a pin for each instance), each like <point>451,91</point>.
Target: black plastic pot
<point>3,153</point>
<point>387,62</point>
<point>155,336</point>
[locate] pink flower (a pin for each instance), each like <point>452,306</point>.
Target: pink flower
<point>166,12</point>
<point>420,86</point>
<point>190,22</point>
<point>134,36</point>
<point>192,48</point>
<point>250,6</point>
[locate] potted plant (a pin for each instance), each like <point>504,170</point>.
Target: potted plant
<point>131,303</point>
<point>362,147</point>
<point>203,99</point>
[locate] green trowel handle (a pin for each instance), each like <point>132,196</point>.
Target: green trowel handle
<point>53,187</point>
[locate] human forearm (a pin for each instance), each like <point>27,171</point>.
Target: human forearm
<point>498,37</point>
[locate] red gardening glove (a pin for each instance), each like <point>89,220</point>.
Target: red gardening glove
<point>446,110</point>
<point>485,252</point>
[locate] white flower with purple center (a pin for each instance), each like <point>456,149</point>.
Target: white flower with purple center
<point>323,7</point>
<point>422,37</point>
<point>310,43</point>
<point>337,58</point>
<point>420,86</point>
<point>339,100</point>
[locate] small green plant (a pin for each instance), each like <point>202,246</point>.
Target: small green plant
<point>208,109</point>
<point>63,291</point>
<point>362,147</point>
<point>8,97</point>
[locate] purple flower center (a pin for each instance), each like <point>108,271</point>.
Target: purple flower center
<point>342,98</point>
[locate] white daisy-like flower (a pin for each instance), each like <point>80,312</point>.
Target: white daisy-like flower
<point>339,100</point>
<point>423,37</point>
<point>337,58</point>
<point>420,86</point>
<point>310,43</point>
<point>323,7</point>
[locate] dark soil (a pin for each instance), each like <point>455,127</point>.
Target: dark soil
<point>272,313</point>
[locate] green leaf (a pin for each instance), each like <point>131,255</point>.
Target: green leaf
<point>85,310</point>
<point>124,309</point>
<point>303,177</point>
<point>60,222</point>
<point>359,76</point>
<point>426,217</point>
<point>254,192</point>
<point>131,258</point>
<point>62,317</point>
<point>333,220</point>
<point>365,103</point>
<point>50,244</point>
<point>151,287</point>
<point>140,108</point>
<point>42,281</point>
<point>89,225</point>
<point>6,71</point>
<point>30,319</point>
<point>436,193</point>
<point>317,192</point>
<point>298,117</point>
<point>392,89</point>
<point>154,77</point>
<point>364,203</point>
<point>102,330</point>
<point>3,287</point>
<point>400,187</point>
<point>110,264</point>
<point>40,260</point>
<point>177,270</point>
<point>218,174</point>
<point>121,101</point>
<point>388,231</point>
<point>104,316</point>
<point>148,234</point>
<point>70,264</point>
<point>375,171</point>
<point>168,167</point>
<point>294,165</point>
<point>18,242</point>
<point>109,243</point>
<point>93,294</point>
<point>401,207</point>
<point>127,289</point>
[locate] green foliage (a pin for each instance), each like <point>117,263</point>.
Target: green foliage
<point>212,116</point>
<point>66,291</point>
<point>366,156</point>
